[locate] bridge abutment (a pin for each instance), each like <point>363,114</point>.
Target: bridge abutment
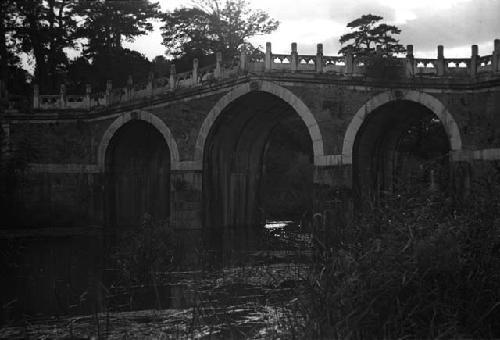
<point>187,214</point>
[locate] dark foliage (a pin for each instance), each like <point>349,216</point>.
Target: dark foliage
<point>107,23</point>
<point>419,265</point>
<point>44,29</point>
<point>383,67</point>
<point>142,252</point>
<point>214,26</point>
<point>116,65</point>
<point>366,35</point>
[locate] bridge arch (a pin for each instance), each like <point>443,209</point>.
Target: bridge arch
<point>430,102</point>
<point>257,149</point>
<point>136,155</point>
<point>143,116</point>
<point>265,86</point>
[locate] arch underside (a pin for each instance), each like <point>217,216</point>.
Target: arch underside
<point>399,143</point>
<point>233,167</point>
<point>137,175</point>
<point>425,100</point>
<point>137,115</point>
<point>284,94</point>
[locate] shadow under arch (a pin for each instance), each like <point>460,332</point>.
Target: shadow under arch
<point>136,154</point>
<point>264,86</point>
<point>137,115</point>
<point>400,143</point>
<point>426,100</point>
<point>235,154</point>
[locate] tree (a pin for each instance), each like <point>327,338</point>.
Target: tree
<point>116,65</point>
<point>44,29</point>
<point>8,12</point>
<point>214,25</point>
<point>366,35</point>
<point>106,23</point>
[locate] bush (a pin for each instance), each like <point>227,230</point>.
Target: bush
<point>143,251</point>
<point>418,265</point>
<point>384,67</point>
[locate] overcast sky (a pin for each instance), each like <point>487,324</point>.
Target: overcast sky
<point>456,24</point>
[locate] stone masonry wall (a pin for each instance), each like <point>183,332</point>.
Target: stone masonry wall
<point>65,147</point>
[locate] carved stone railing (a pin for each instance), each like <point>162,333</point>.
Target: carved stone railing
<point>343,66</point>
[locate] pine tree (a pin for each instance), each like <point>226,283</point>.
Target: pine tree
<point>107,23</point>
<point>366,35</point>
<point>44,29</point>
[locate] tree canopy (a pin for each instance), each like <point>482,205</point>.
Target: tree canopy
<point>47,29</point>
<point>106,23</point>
<point>116,65</point>
<point>367,33</point>
<point>42,29</point>
<point>7,57</point>
<point>214,25</point>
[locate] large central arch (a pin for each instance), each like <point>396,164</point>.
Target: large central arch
<point>233,146</point>
<point>265,86</point>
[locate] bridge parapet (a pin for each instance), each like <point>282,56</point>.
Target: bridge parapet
<point>335,66</point>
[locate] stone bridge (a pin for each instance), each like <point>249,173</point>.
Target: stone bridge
<point>191,148</point>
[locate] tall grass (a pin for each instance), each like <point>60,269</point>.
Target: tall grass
<point>417,265</point>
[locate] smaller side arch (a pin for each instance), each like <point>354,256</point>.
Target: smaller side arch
<point>431,102</point>
<point>269,87</point>
<point>137,115</point>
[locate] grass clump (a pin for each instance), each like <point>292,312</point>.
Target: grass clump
<point>417,265</point>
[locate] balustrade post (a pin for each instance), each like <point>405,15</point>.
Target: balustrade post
<point>62,96</point>
<point>441,62</point>
<point>294,58</point>
<point>88,99</point>
<point>319,58</point>
<point>109,88</point>
<point>218,65</point>
<point>149,86</point>
<point>473,61</point>
<point>173,76</point>
<point>495,62</point>
<point>349,62</point>
<point>269,58</point>
<point>130,86</point>
<point>243,60</point>
<point>36,96</point>
<point>410,61</point>
<point>195,71</point>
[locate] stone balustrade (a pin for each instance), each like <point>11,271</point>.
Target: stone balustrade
<point>341,66</point>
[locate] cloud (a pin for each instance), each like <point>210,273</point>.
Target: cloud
<point>474,22</point>
<point>346,11</point>
<point>309,22</point>
<point>456,24</point>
